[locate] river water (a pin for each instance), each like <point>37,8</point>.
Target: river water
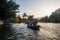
<point>19,31</point>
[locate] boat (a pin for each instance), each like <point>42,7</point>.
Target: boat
<point>32,24</point>
<point>35,27</point>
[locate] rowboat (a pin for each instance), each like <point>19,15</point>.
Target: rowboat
<point>35,27</point>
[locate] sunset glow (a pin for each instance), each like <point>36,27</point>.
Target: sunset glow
<point>38,8</point>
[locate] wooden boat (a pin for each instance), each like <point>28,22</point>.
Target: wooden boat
<point>35,27</point>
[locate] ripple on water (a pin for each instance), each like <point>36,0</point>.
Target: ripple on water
<point>47,32</point>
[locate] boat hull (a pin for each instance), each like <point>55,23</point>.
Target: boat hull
<point>34,27</point>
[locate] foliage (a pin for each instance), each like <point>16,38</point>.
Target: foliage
<point>30,17</point>
<point>8,8</point>
<point>24,14</point>
<point>18,19</point>
<point>54,17</point>
<point>44,19</point>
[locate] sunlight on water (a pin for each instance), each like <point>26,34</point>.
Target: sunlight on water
<point>48,31</point>
<point>46,34</point>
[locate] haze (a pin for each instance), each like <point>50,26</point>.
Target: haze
<point>38,8</point>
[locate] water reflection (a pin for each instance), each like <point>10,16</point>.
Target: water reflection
<point>23,33</point>
<point>49,31</point>
<point>4,32</point>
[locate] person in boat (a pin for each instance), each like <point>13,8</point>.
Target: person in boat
<point>29,23</point>
<point>34,23</point>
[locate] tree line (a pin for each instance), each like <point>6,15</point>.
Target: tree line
<point>8,10</point>
<point>54,17</point>
<point>24,18</point>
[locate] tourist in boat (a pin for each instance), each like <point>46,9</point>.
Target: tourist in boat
<point>29,23</point>
<point>34,23</point>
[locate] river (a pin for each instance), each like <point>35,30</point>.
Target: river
<point>19,31</point>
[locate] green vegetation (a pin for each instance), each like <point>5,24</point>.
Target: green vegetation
<point>54,17</point>
<point>24,18</point>
<point>8,10</point>
<point>44,19</point>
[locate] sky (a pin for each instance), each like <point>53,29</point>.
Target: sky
<point>38,8</point>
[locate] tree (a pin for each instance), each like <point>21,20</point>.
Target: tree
<point>24,15</point>
<point>44,19</point>
<point>30,17</point>
<point>8,9</point>
<point>18,19</point>
<point>55,16</point>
